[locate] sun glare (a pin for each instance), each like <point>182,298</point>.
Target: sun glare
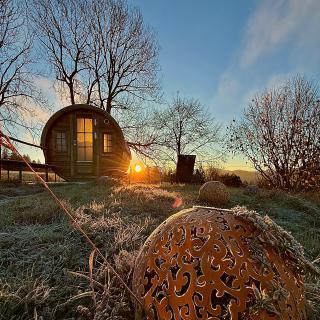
<point>137,168</point>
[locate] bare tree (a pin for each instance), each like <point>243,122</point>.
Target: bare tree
<point>124,60</point>
<point>102,54</point>
<point>279,133</point>
<point>19,97</point>
<point>184,127</point>
<point>62,30</point>
<point>101,50</point>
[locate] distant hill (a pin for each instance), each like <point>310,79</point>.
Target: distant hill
<point>249,176</point>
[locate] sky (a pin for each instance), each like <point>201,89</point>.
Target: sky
<point>225,52</point>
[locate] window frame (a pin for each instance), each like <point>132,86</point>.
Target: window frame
<point>84,133</point>
<point>103,146</point>
<point>57,149</point>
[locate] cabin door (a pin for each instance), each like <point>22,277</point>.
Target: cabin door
<point>85,160</point>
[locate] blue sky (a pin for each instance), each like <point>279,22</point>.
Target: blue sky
<point>224,52</point>
<point>197,42</point>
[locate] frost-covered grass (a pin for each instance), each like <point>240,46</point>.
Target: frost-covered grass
<point>45,266</point>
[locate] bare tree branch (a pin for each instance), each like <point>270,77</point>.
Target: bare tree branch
<point>19,97</point>
<point>60,27</point>
<point>100,50</point>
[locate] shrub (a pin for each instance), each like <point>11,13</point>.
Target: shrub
<point>231,180</point>
<point>212,174</point>
<point>198,176</point>
<point>251,189</point>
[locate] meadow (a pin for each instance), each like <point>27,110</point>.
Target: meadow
<point>47,272</point>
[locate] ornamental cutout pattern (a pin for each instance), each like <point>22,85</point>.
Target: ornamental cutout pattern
<point>201,263</point>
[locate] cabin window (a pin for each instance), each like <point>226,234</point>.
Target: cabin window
<point>107,142</point>
<point>61,142</point>
<point>84,139</point>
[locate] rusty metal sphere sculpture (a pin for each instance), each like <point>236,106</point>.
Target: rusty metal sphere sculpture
<point>201,263</point>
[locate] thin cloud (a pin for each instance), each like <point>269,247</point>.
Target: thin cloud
<point>48,88</point>
<point>278,22</point>
<point>226,98</point>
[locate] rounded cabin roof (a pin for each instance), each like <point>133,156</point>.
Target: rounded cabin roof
<point>81,107</point>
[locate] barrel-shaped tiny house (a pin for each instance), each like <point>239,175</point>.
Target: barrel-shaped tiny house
<point>83,142</point>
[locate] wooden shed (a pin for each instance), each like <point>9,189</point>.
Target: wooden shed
<point>84,142</point>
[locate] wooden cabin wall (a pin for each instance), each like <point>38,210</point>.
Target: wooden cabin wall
<point>113,163</point>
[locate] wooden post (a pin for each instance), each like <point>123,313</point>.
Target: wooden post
<point>96,146</point>
<point>0,162</point>
<point>47,176</point>
<point>20,173</point>
<point>129,175</point>
<point>8,173</point>
<point>55,177</point>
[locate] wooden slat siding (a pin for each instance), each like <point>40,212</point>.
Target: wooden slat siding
<point>111,162</point>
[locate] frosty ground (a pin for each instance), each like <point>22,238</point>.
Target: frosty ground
<point>45,266</point>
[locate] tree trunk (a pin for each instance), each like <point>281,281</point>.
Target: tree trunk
<point>109,105</point>
<point>72,99</point>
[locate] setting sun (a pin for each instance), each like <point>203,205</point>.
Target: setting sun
<point>137,168</point>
